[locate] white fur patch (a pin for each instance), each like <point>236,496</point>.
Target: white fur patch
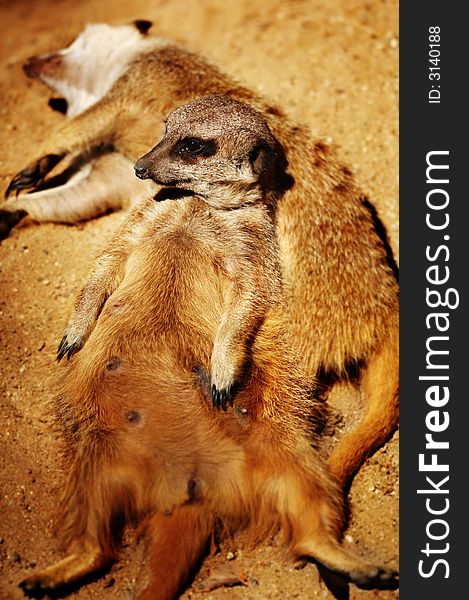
<point>95,61</point>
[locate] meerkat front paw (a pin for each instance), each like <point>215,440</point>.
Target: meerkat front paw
<point>221,398</point>
<point>34,174</point>
<point>76,334</point>
<point>223,379</point>
<point>68,348</point>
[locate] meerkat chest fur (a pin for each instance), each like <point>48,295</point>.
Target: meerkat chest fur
<point>246,241</point>
<point>194,248</point>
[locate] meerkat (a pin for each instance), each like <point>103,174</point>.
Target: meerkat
<point>222,151</point>
<point>99,179</point>
<point>338,272</point>
<point>145,445</point>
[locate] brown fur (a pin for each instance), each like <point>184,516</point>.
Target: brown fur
<point>223,151</point>
<point>145,445</point>
<point>341,290</point>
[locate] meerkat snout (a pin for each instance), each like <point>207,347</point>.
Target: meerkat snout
<point>214,143</point>
<point>141,170</point>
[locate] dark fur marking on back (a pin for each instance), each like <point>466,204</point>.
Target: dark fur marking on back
<point>383,236</point>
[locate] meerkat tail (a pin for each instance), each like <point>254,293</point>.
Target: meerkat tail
<point>380,384</point>
<point>177,543</point>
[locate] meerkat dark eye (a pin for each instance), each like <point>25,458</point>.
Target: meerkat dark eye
<point>191,146</point>
<point>196,147</point>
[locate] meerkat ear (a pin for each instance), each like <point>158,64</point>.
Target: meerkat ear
<point>269,165</point>
<point>143,26</point>
<point>260,157</point>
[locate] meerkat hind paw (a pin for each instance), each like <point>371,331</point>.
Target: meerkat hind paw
<point>378,578</point>
<point>35,587</point>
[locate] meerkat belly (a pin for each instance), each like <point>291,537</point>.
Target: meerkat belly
<point>149,421</point>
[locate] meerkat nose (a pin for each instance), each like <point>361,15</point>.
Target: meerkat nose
<point>31,67</point>
<point>141,171</point>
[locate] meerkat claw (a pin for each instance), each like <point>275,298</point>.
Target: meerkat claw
<point>66,349</point>
<point>21,181</point>
<point>221,398</point>
<point>33,175</point>
<point>61,349</point>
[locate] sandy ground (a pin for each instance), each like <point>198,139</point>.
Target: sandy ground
<point>331,64</point>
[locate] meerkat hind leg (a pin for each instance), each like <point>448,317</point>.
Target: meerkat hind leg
<point>315,526</point>
<point>353,568</point>
<point>64,573</point>
<point>177,543</point>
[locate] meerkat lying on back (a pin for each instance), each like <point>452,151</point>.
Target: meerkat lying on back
<point>180,291</point>
<point>338,272</point>
<point>223,152</point>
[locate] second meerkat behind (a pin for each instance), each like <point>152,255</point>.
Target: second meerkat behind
<point>339,275</point>
<point>188,286</point>
<point>222,151</point>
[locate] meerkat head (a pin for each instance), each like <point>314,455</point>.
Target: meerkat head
<point>84,71</point>
<point>220,149</point>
